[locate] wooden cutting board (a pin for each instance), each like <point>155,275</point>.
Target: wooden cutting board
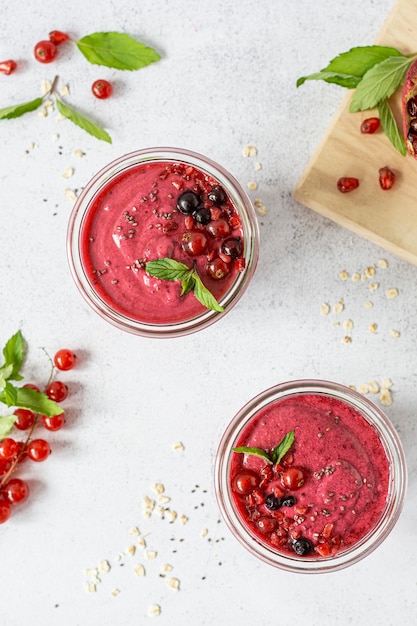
<point>387,218</point>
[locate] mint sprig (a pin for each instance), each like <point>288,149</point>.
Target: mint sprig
<point>273,456</point>
<point>22,397</point>
<point>375,72</point>
<point>117,50</point>
<point>171,270</point>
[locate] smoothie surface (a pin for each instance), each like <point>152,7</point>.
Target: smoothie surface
<point>134,219</point>
<point>345,475</point>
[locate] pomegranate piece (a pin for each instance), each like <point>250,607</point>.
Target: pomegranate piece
<point>370,125</point>
<point>347,184</point>
<point>409,109</point>
<point>7,67</point>
<point>386,178</point>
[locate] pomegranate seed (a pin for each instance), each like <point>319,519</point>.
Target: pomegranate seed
<point>386,178</point>
<point>370,125</point>
<point>324,549</point>
<point>7,67</point>
<point>266,524</point>
<point>347,184</point>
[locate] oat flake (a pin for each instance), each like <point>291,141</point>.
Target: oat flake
<point>249,151</point>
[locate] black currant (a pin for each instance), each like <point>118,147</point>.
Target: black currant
<point>202,216</point>
<point>232,247</point>
<point>272,502</point>
<point>289,501</point>
<point>217,195</point>
<point>188,202</point>
<point>302,546</point>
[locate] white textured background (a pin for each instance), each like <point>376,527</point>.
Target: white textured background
<point>226,80</point>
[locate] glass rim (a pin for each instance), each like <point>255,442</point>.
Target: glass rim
<point>396,489</point>
<point>164,154</point>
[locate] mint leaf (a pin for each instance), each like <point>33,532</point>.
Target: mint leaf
<point>82,122</point>
<point>117,50</point>
<point>6,425</point>
<point>253,452</point>
<point>5,373</point>
<point>282,448</point>
<point>13,355</point>
<point>205,296</point>
<point>10,394</point>
<point>379,83</point>
<point>357,61</point>
<point>20,109</point>
<point>343,80</point>
<point>36,401</point>
<point>390,127</point>
<point>169,269</point>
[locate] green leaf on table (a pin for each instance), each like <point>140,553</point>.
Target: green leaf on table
<point>6,425</point>
<point>36,401</point>
<point>82,122</point>
<point>13,355</point>
<point>343,80</point>
<point>17,110</point>
<point>379,83</point>
<point>390,127</point>
<point>253,452</point>
<point>9,394</point>
<point>282,448</point>
<point>117,50</point>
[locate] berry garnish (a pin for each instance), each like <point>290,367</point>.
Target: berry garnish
<point>217,268</point>
<point>217,195</point>
<point>38,450</point>
<point>102,89</point>
<point>188,202</point>
<point>293,477</point>
<point>16,491</point>
<point>57,37</point>
<point>64,359</point>
<point>245,481</point>
<point>302,546</point>
<point>8,67</point>
<point>57,391</point>
<point>9,449</point>
<point>55,422</point>
<point>232,247</point>
<point>218,228</point>
<point>45,51</point>
<point>347,184</point>
<point>273,503</point>
<point>24,419</point>
<point>202,216</point>
<point>288,501</point>
<point>275,455</point>
<point>194,242</point>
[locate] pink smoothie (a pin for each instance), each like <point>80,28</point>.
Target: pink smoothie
<point>134,219</point>
<point>344,470</point>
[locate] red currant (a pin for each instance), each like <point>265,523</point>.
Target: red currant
<point>57,37</point>
<point>266,524</point>
<point>245,481</point>
<point>57,391</point>
<point>64,359</point>
<point>102,89</point>
<point>45,51</point>
<point>31,386</point>
<point>194,242</point>
<point>53,423</point>
<point>7,67</point>
<point>5,511</point>
<point>9,449</point>
<point>4,466</point>
<point>16,491</point>
<point>218,228</point>
<point>38,450</point>
<point>218,268</point>
<point>25,419</point>
<point>232,247</point>
<point>293,477</point>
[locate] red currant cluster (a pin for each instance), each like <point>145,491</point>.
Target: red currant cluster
<point>46,51</point>
<point>13,490</point>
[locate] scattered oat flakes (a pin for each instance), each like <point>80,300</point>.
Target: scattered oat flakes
<point>356,277</point>
<point>252,185</point>
<point>391,293</point>
<point>55,137</point>
<point>325,308</point>
<point>151,554</point>
<point>383,263</point>
<point>258,166</point>
<point>348,324</point>
<point>42,112</point>
<point>183,519</point>
<point>134,531</point>
<point>159,488</point>
<point>370,272</point>
<point>249,151</point>
<point>171,515</point>
<point>90,587</point>
<point>395,333</point>
<point>346,339</point>
<point>364,277</point>
<point>260,207</point>
<point>154,610</point>
<point>131,550</point>
<point>386,383</point>
<point>204,532</point>
<point>79,153</point>
<point>372,328</point>
<point>104,566</point>
<point>173,583</point>
<point>92,571</point>
<point>115,592</point>
<point>166,567</point>
<point>70,194</point>
<point>141,543</point>
<point>64,91</point>
<point>139,570</point>
<point>363,388</point>
<point>68,172</point>
<point>46,86</point>
<point>343,275</point>
<point>385,397</point>
<point>160,511</point>
<point>373,286</point>
<point>373,387</point>
<point>164,499</point>
<point>178,446</point>
<point>149,504</point>
<point>368,304</point>
<point>338,307</point>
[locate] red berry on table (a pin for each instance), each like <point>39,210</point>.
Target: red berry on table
<point>7,67</point>
<point>102,89</point>
<point>38,450</point>
<point>57,391</point>
<point>347,184</point>
<point>54,422</point>
<point>293,477</point>
<point>16,491</point>
<point>64,359</point>
<point>31,386</point>
<point>245,481</point>
<point>4,466</point>
<point>5,511</point>
<point>9,448</point>
<point>386,178</point>
<point>194,242</point>
<point>57,37</point>
<point>25,419</point>
<point>370,125</point>
<point>45,51</point>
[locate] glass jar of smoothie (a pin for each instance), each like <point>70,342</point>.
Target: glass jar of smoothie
<point>163,242</point>
<point>310,476</point>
